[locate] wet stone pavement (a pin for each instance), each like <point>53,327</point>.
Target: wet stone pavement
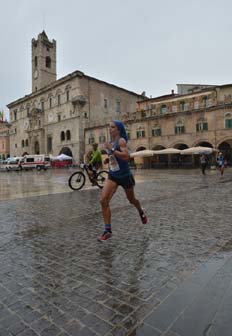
<point>170,277</point>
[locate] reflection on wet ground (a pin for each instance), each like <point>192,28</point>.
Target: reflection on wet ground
<point>169,277</point>
<point>21,184</point>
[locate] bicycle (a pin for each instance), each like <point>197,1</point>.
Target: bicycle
<point>77,180</point>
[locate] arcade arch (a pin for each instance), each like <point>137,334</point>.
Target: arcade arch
<point>226,148</point>
<point>66,151</point>
<point>204,144</point>
<point>140,148</point>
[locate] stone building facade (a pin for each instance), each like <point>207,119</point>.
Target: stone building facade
<point>4,140</point>
<point>195,115</point>
<point>52,119</point>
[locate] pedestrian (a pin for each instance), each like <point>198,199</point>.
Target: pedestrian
<point>203,162</point>
<point>221,163</point>
<point>119,175</point>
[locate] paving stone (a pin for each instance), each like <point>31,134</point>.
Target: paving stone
<point>145,330</point>
<point>15,329</point>
<point>202,312</point>
<point>40,325</point>
<point>52,271</point>
<point>50,331</point>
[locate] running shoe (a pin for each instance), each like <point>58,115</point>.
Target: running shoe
<point>106,235</point>
<point>143,218</point>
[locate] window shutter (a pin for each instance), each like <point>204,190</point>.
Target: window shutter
<point>205,126</point>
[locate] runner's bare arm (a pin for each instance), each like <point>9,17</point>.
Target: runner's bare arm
<point>123,153</point>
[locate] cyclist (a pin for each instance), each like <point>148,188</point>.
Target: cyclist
<point>95,162</point>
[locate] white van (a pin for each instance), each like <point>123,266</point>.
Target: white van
<point>40,161</point>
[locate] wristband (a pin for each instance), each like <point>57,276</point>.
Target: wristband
<point>112,149</point>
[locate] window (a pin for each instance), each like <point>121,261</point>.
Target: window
<point>15,114</point>
<point>205,102</point>
<point>196,104</point>
<point>59,117</point>
<point>179,129</point>
<point>163,109</point>
<point>201,126</point>
<point>105,103</point>
<point>140,134</point>
<point>22,143</point>
<point>26,142</point>
<point>102,138</point>
<point>36,61</point>
<point>49,144</point>
<point>128,135</point>
<point>62,136</point>
<point>50,102</point>
<point>228,123</point>
<point>58,99</point>
<point>143,114</point>
<point>91,140</point>
<point>67,95</point>
<point>48,62</point>
<point>30,159</point>
<point>68,135</point>
<point>174,108</point>
<point>42,106</point>
<point>183,106</point>
<point>156,131</point>
<point>118,106</point>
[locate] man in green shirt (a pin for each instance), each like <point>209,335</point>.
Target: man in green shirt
<point>96,160</point>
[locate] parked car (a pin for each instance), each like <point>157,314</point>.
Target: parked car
<point>13,163</point>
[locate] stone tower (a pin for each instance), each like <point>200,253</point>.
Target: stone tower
<point>43,61</point>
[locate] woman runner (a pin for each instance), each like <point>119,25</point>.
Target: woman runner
<point>119,175</point>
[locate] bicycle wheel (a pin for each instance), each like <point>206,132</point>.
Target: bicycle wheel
<point>101,178</point>
<point>76,180</point>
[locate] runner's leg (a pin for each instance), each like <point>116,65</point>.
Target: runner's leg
<point>108,191</point>
<point>133,200</point>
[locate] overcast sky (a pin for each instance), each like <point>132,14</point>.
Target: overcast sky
<point>147,45</point>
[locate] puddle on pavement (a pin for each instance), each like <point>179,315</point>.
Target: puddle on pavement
<point>33,232</point>
<point>227,247</point>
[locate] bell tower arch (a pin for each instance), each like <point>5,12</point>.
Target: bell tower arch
<point>43,61</point>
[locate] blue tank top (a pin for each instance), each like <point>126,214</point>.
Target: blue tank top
<point>117,167</point>
<point>221,160</point>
